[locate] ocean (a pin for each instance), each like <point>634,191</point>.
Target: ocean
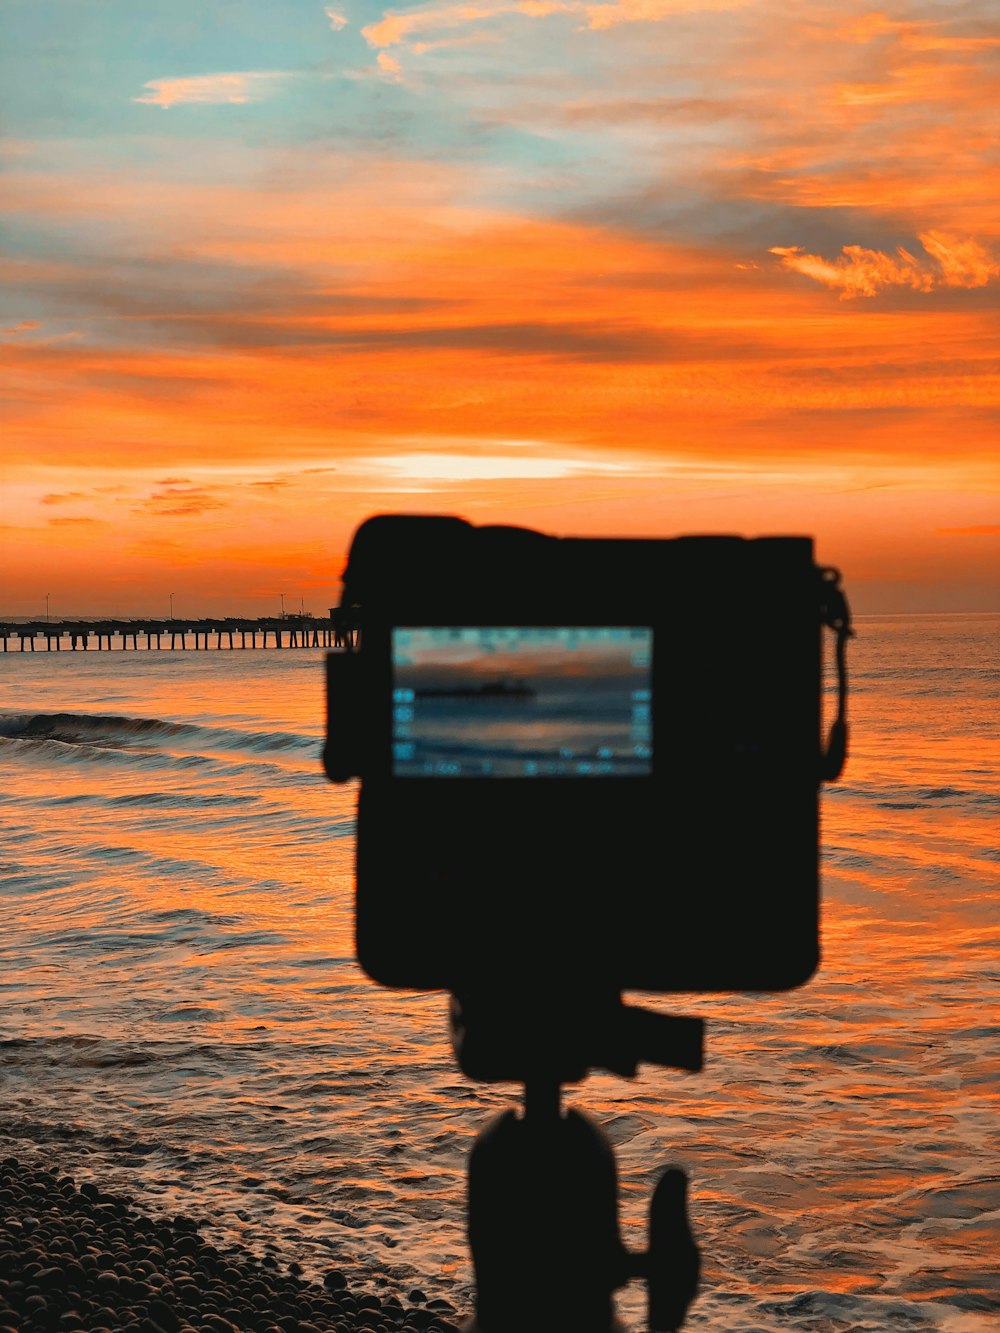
<point>183,1018</point>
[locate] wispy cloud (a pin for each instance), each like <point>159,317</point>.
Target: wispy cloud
<point>389,64</point>
<point>236,87</point>
<point>179,501</point>
<point>949,262</point>
<point>25,326</point>
<point>337,21</point>
<point>396,28</point>
<point>916,34</point>
<point>649,11</point>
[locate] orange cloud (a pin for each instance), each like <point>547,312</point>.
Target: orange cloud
<point>647,11</point>
<point>963,263</point>
<point>860,272</point>
<point>394,28</point>
<point>879,116</point>
<point>262,367</point>
<point>176,501</point>
<point>338,323</point>
<point>914,34</point>
<point>235,88</point>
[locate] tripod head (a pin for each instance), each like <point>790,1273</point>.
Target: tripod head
<point>542,1216</point>
<point>557,1037</point>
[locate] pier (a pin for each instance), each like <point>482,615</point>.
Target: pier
<point>155,634</point>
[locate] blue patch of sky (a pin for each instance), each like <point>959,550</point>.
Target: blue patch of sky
<point>75,68</point>
<point>74,71</point>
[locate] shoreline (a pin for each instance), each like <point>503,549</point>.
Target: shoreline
<point>85,1260</point>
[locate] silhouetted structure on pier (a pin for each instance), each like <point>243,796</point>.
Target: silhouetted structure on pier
<point>148,633</point>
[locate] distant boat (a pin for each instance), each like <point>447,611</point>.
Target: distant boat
<point>514,690</point>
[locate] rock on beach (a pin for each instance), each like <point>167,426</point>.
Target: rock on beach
<point>78,1260</point>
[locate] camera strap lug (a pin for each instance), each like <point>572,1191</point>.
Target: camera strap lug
<point>836,614</point>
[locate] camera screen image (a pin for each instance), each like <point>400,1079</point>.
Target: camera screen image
<point>497,702</point>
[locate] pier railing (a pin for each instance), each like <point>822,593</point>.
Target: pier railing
<point>151,633</point>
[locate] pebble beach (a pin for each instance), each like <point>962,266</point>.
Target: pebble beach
<point>75,1258</point>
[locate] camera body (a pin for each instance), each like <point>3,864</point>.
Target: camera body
<point>590,763</point>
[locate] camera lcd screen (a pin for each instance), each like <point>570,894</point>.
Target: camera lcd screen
<point>496,702</point>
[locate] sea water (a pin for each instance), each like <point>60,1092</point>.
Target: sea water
<point>183,1018</point>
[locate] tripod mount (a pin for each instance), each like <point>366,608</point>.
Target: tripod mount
<point>543,1188</point>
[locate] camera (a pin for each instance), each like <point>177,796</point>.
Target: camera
<point>593,760</point>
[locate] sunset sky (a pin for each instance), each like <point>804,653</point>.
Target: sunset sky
<point>635,267</point>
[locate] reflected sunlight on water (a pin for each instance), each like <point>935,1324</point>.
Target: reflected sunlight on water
<point>184,1017</point>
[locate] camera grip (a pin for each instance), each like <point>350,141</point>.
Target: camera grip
<point>344,747</point>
